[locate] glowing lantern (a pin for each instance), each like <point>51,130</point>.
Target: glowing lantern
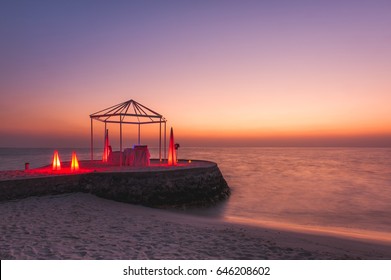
<point>74,163</point>
<point>171,151</point>
<point>56,161</point>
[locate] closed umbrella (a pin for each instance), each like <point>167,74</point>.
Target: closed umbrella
<point>106,151</point>
<point>171,150</point>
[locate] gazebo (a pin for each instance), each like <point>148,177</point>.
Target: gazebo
<point>129,112</point>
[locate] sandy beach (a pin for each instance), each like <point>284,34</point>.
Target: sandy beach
<point>83,226</point>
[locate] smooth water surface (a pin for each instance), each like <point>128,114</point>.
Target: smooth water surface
<point>348,188</point>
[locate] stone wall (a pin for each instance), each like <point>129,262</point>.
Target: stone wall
<point>167,188</point>
<point>26,187</point>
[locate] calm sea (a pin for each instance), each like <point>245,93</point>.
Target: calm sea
<point>344,188</point>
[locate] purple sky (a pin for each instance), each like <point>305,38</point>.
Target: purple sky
<point>222,72</point>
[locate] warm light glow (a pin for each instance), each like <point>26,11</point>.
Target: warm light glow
<point>172,160</point>
<point>56,161</point>
<point>74,163</point>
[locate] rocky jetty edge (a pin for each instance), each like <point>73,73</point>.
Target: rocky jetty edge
<point>198,184</point>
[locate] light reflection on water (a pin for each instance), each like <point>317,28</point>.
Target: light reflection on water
<point>327,187</point>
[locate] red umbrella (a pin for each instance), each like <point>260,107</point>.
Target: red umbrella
<point>171,150</point>
<point>106,151</point>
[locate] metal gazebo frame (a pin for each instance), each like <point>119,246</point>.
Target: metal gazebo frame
<point>129,112</point>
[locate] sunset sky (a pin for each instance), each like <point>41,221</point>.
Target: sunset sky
<point>256,73</point>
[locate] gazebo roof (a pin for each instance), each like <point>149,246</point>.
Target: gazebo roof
<point>130,112</point>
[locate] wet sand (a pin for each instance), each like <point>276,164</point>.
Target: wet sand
<point>82,226</point>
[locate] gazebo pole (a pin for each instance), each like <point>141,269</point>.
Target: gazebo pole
<point>104,137</point>
<point>120,142</point>
<point>104,143</point>
<point>160,140</point>
<point>165,136</point>
<point>139,133</point>
<point>92,142</point>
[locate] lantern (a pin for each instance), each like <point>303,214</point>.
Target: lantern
<point>56,161</point>
<point>74,163</point>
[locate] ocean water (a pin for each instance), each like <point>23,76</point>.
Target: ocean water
<point>344,188</point>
